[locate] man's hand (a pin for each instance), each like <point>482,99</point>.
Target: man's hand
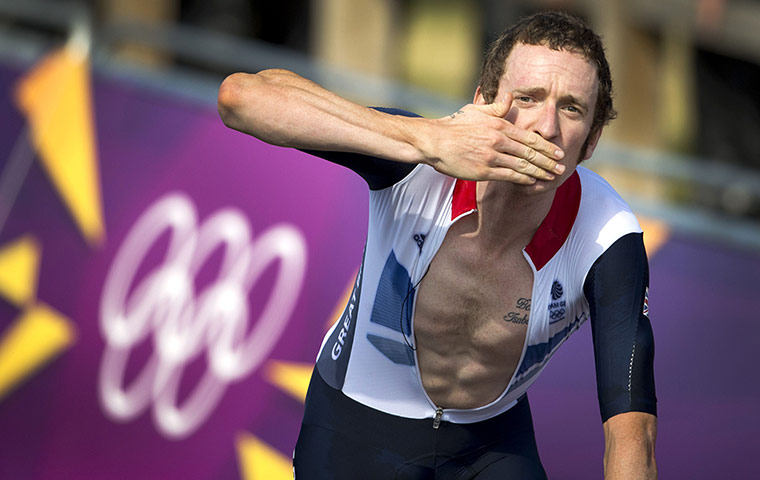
<point>478,143</point>
<point>629,447</point>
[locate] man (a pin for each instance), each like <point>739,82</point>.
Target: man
<point>486,248</point>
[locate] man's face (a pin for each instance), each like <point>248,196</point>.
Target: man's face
<point>555,96</point>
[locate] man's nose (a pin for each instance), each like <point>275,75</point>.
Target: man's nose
<point>547,124</point>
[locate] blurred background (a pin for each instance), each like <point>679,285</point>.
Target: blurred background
<point>108,128</point>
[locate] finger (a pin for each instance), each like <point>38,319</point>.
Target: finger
<point>498,108</point>
<point>507,101</point>
<point>514,149</point>
<point>510,175</point>
<point>537,143</point>
<point>524,166</point>
<point>495,109</point>
<point>540,161</point>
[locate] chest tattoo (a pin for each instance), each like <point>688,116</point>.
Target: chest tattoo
<point>520,316</point>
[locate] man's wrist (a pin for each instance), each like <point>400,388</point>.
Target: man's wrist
<point>414,134</point>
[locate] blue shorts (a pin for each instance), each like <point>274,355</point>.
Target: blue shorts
<point>342,439</point>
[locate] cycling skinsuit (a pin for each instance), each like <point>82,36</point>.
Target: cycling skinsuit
<point>588,261</point>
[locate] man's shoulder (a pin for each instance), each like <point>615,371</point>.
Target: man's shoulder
<point>603,213</point>
<point>598,194</point>
<point>596,183</point>
<point>422,195</point>
<point>421,177</point>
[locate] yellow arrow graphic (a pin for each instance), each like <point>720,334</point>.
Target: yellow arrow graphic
<point>259,461</point>
<point>32,340</point>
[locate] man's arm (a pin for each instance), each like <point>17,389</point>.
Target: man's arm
<point>379,173</point>
<point>476,143</point>
<point>617,289</point>
<point>629,440</point>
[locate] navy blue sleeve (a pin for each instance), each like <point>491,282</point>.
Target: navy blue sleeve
<point>379,173</point>
<point>617,287</point>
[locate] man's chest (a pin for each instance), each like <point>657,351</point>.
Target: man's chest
<point>474,297</point>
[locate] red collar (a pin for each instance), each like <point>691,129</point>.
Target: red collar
<point>554,229</point>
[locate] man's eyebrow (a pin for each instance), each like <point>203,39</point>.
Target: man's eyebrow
<point>540,92</point>
<point>534,91</point>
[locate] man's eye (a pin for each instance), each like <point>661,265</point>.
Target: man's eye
<point>573,109</point>
<point>523,98</point>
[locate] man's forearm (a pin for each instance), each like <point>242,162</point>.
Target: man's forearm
<point>629,447</point>
<point>282,108</point>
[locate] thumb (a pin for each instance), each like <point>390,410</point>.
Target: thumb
<point>505,104</point>
<point>500,107</point>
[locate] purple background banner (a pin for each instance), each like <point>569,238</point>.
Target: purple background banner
<point>54,424</point>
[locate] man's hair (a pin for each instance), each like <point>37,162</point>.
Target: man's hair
<point>558,31</point>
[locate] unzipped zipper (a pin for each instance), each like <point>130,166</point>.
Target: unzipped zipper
<point>437,418</point>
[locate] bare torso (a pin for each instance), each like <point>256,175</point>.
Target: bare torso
<point>471,319</point>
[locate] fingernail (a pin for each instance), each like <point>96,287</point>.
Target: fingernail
<point>559,153</point>
<point>549,177</point>
<point>559,168</point>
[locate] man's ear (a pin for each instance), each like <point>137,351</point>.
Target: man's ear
<point>591,143</point>
<point>479,100</point>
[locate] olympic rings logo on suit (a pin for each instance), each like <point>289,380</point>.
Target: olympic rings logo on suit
<point>183,323</point>
<point>557,314</point>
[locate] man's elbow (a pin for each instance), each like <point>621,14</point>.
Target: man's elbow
<point>230,99</point>
<point>245,99</point>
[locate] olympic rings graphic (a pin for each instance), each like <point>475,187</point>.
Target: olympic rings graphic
<point>184,323</point>
<point>557,314</point>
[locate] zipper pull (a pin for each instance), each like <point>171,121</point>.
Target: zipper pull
<point>437,418</point>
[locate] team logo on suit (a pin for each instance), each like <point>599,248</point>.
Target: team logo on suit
<point>557,305</point>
